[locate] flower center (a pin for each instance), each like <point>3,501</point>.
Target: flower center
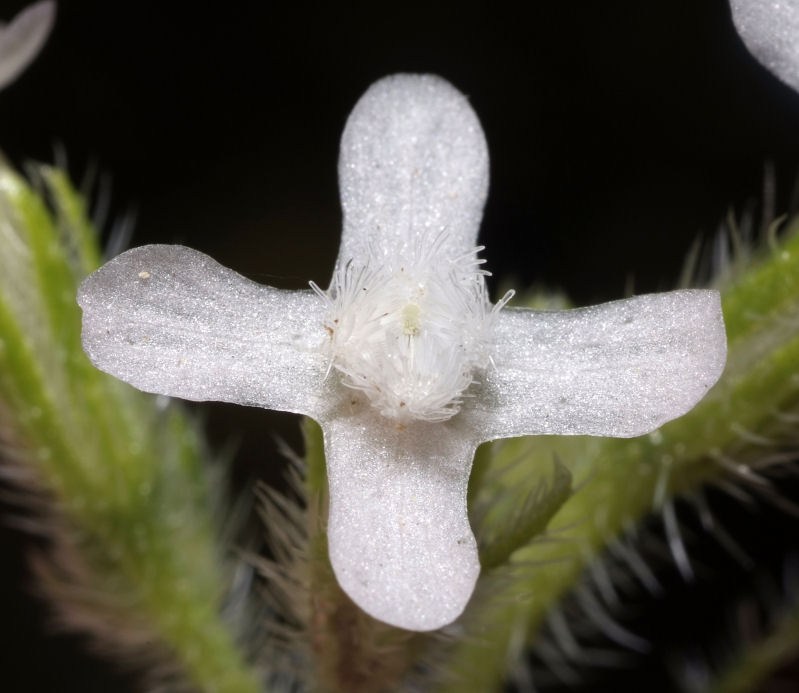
<point>411,314</point>
<point>411,334</point>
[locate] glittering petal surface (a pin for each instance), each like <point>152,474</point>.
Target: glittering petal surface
<point>400,541</point>
<point>171,320</point>
<point>770,30</point>
<point>617,369</point>
<point>413,162</point>
<point>403,362</point>
<point>23,38</point>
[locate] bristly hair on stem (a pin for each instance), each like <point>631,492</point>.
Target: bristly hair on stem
<point>117,483</point>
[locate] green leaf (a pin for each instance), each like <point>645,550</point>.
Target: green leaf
<point>506,514</point>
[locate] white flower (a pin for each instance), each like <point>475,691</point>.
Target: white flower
<point>770,30</point>
<point>23,38</point>
<point>403,360</point>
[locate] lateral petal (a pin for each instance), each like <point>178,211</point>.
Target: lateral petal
<point>413,163</point>
<point>617,369</point>
<point>23,38</point>
<point>171,320</point>
<point>770,31</point>
<point>399,537</point>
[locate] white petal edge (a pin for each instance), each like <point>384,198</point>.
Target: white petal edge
<point>23,38</point>
<point>770,31</point>
<point>171,320</point>
<point>617,369</point>
<point>413,162</point>
<point>399,536</point>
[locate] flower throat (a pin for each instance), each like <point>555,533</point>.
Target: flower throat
<point>413,333</point>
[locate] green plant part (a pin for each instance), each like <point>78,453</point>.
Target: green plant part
<point>117,482</point>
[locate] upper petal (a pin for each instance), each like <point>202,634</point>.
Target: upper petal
<point>173,321</point>
<point>770,30</point>
<point>413,162</point>
<point>400,541</point>
<point>23,38</point>
<point>617,369</point>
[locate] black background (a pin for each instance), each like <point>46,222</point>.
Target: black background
<point>619,132</point>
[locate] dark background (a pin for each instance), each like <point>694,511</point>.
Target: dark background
<point>619,132</point>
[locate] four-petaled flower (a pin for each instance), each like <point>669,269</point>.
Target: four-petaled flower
<point>403,360</point>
